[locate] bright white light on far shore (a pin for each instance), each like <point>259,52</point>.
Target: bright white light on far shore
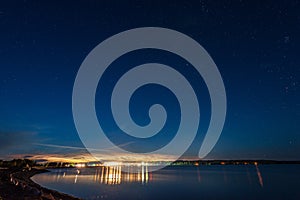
<point>79,165</point>
<point>110,164</point>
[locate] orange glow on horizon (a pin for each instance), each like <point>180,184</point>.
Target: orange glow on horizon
<point>112,159</point>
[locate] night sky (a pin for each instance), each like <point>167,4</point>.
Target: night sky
<point>255,45</point>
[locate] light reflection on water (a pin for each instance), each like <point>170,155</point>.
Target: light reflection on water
<point>260,178</point>
<point>209,182</point>
<point>114,175</point>
<point>110,175</point>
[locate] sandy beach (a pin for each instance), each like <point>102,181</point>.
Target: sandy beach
<point>15,183</point>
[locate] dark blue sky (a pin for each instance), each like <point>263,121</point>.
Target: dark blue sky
<point>254,44</point>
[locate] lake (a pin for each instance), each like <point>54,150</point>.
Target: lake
<point>177,182</point>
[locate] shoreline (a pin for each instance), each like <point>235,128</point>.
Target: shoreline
<point>16,183</point>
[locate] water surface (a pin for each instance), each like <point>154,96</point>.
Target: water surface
<point>178,182</point>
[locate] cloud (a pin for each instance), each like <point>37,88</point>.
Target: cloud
<point>103,157</point>
<point>63,153</point>
<point>12,142</point>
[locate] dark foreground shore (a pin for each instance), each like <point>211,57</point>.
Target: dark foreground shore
<point>16,184</point>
